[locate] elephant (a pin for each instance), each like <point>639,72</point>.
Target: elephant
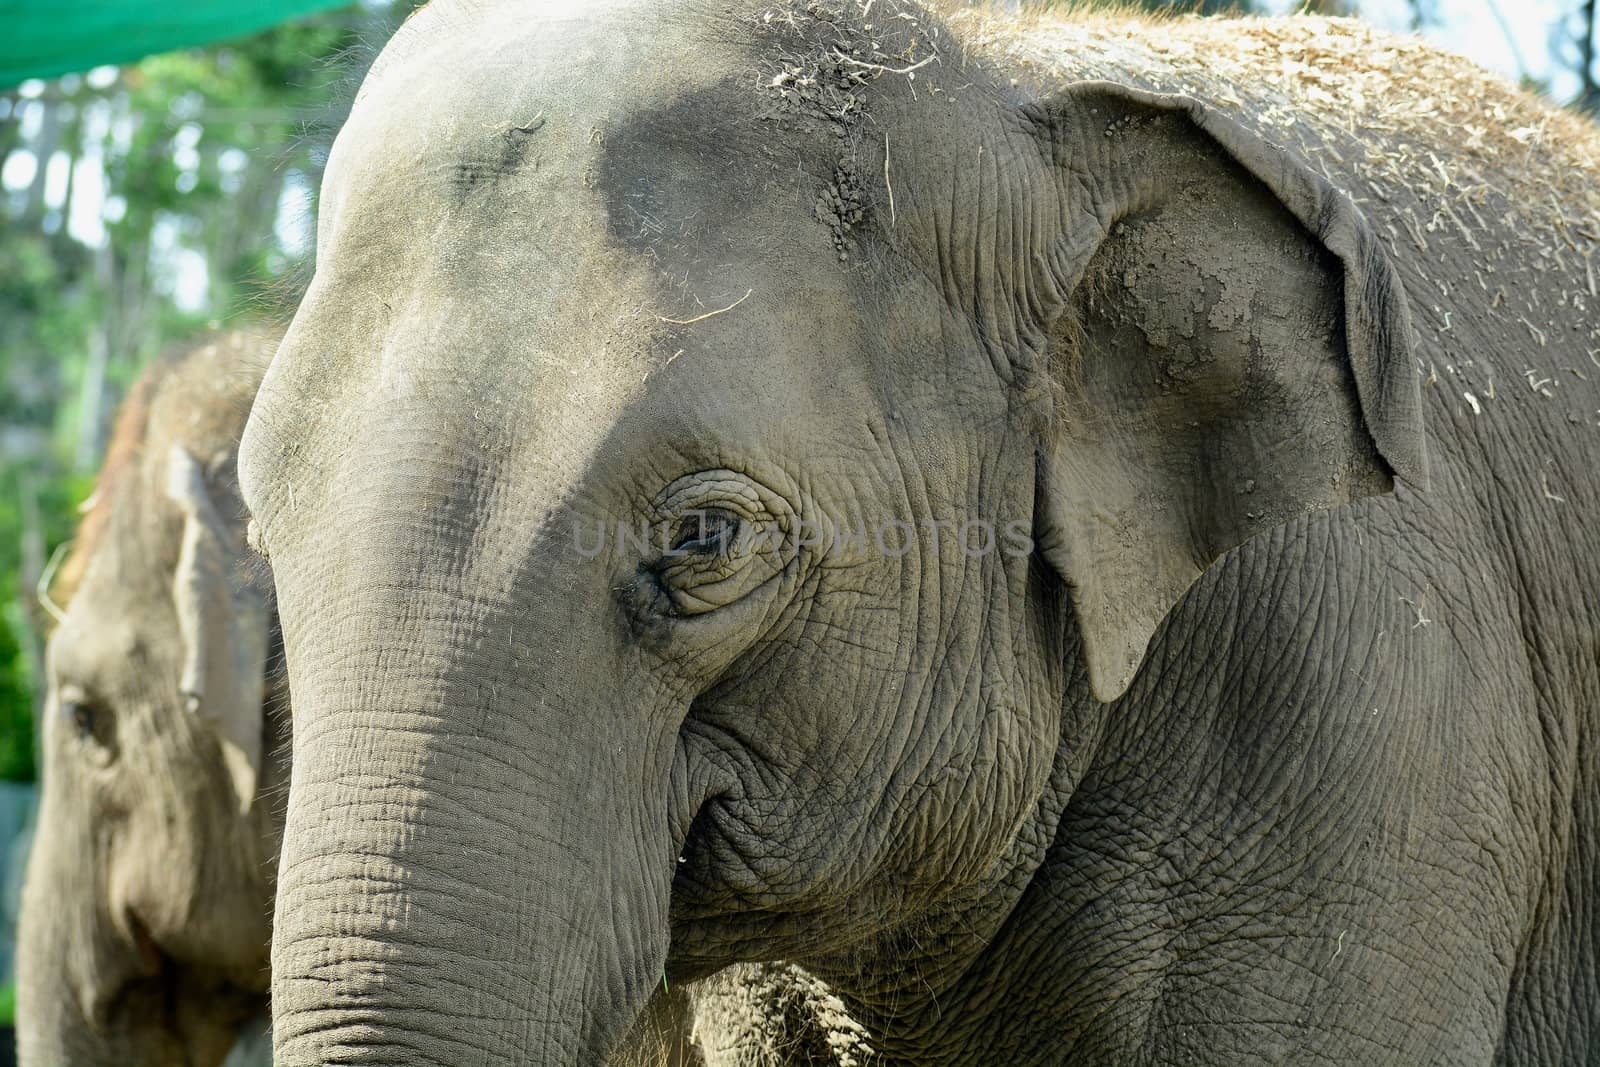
<point>146,908</point>
<point>144,933</point>
<point>1078,534</point>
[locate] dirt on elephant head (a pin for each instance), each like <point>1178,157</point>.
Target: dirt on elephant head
<point>829,56</point>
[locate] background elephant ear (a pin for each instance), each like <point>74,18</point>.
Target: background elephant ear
<point>1231,348</point>
<point>224,622</point>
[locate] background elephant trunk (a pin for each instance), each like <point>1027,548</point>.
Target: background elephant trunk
<point>53,1025</point>
<point>83,976</point>
<point>477,861</point>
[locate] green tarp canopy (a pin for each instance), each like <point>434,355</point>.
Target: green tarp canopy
<point>44,38</point>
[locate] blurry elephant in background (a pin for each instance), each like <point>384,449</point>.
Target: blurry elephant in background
<point>147,905</point>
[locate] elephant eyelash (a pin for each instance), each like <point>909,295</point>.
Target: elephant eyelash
<point>82,717</point>
<point>87,720</point>
<point>705,532</point>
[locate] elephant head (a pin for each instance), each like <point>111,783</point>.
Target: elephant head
<point>698,489</point>
<point>146,909</point>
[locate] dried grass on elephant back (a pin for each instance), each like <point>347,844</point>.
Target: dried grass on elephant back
<point>1371,106</point>
<point>1394,94</point>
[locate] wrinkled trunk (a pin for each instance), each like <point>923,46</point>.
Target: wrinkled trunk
<point>477,859</point>
<point>49,1019</point>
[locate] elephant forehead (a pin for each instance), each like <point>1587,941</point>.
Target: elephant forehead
<point>100,650</point>
<point>465,98</point>
<point>526,115</point>
<point>542,193</point>
<point>535,169</point>
<point>548,236</point>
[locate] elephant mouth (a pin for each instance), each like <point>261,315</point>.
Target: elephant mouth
<point>160,998</point>
<point>704,943</point>
<point>713,924</point>
<point>734,899</point>
<point>716,923</point>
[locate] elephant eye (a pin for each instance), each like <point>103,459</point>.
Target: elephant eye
<point>84,717</point>
<point>704,533</point>
<point>90,720</point>
<point>716,536</point>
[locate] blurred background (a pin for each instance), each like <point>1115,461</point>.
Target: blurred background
<point>146,198</point>
<point>139,204</point>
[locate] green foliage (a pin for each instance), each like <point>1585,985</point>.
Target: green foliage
<point>16,701</point>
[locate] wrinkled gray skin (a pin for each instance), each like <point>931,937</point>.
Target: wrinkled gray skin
<point>146,911</point>
<point>1327,803</point>
<point>145,924</point>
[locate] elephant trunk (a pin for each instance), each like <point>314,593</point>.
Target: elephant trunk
<point>477,860</point>
<point>73,962</point>
<point>50,1021</point>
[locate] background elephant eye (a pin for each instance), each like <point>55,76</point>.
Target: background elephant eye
<point>84,719</point>
<point>706,532</point>
<point>91,722</point>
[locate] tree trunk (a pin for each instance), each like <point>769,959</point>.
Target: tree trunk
<point>43,147</point>
<point>1589,93</point>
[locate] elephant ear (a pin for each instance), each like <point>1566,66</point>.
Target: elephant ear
<point>224,621</point>
<point>1230,348</point>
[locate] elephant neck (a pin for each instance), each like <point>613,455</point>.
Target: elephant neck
<point>932,990</point>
